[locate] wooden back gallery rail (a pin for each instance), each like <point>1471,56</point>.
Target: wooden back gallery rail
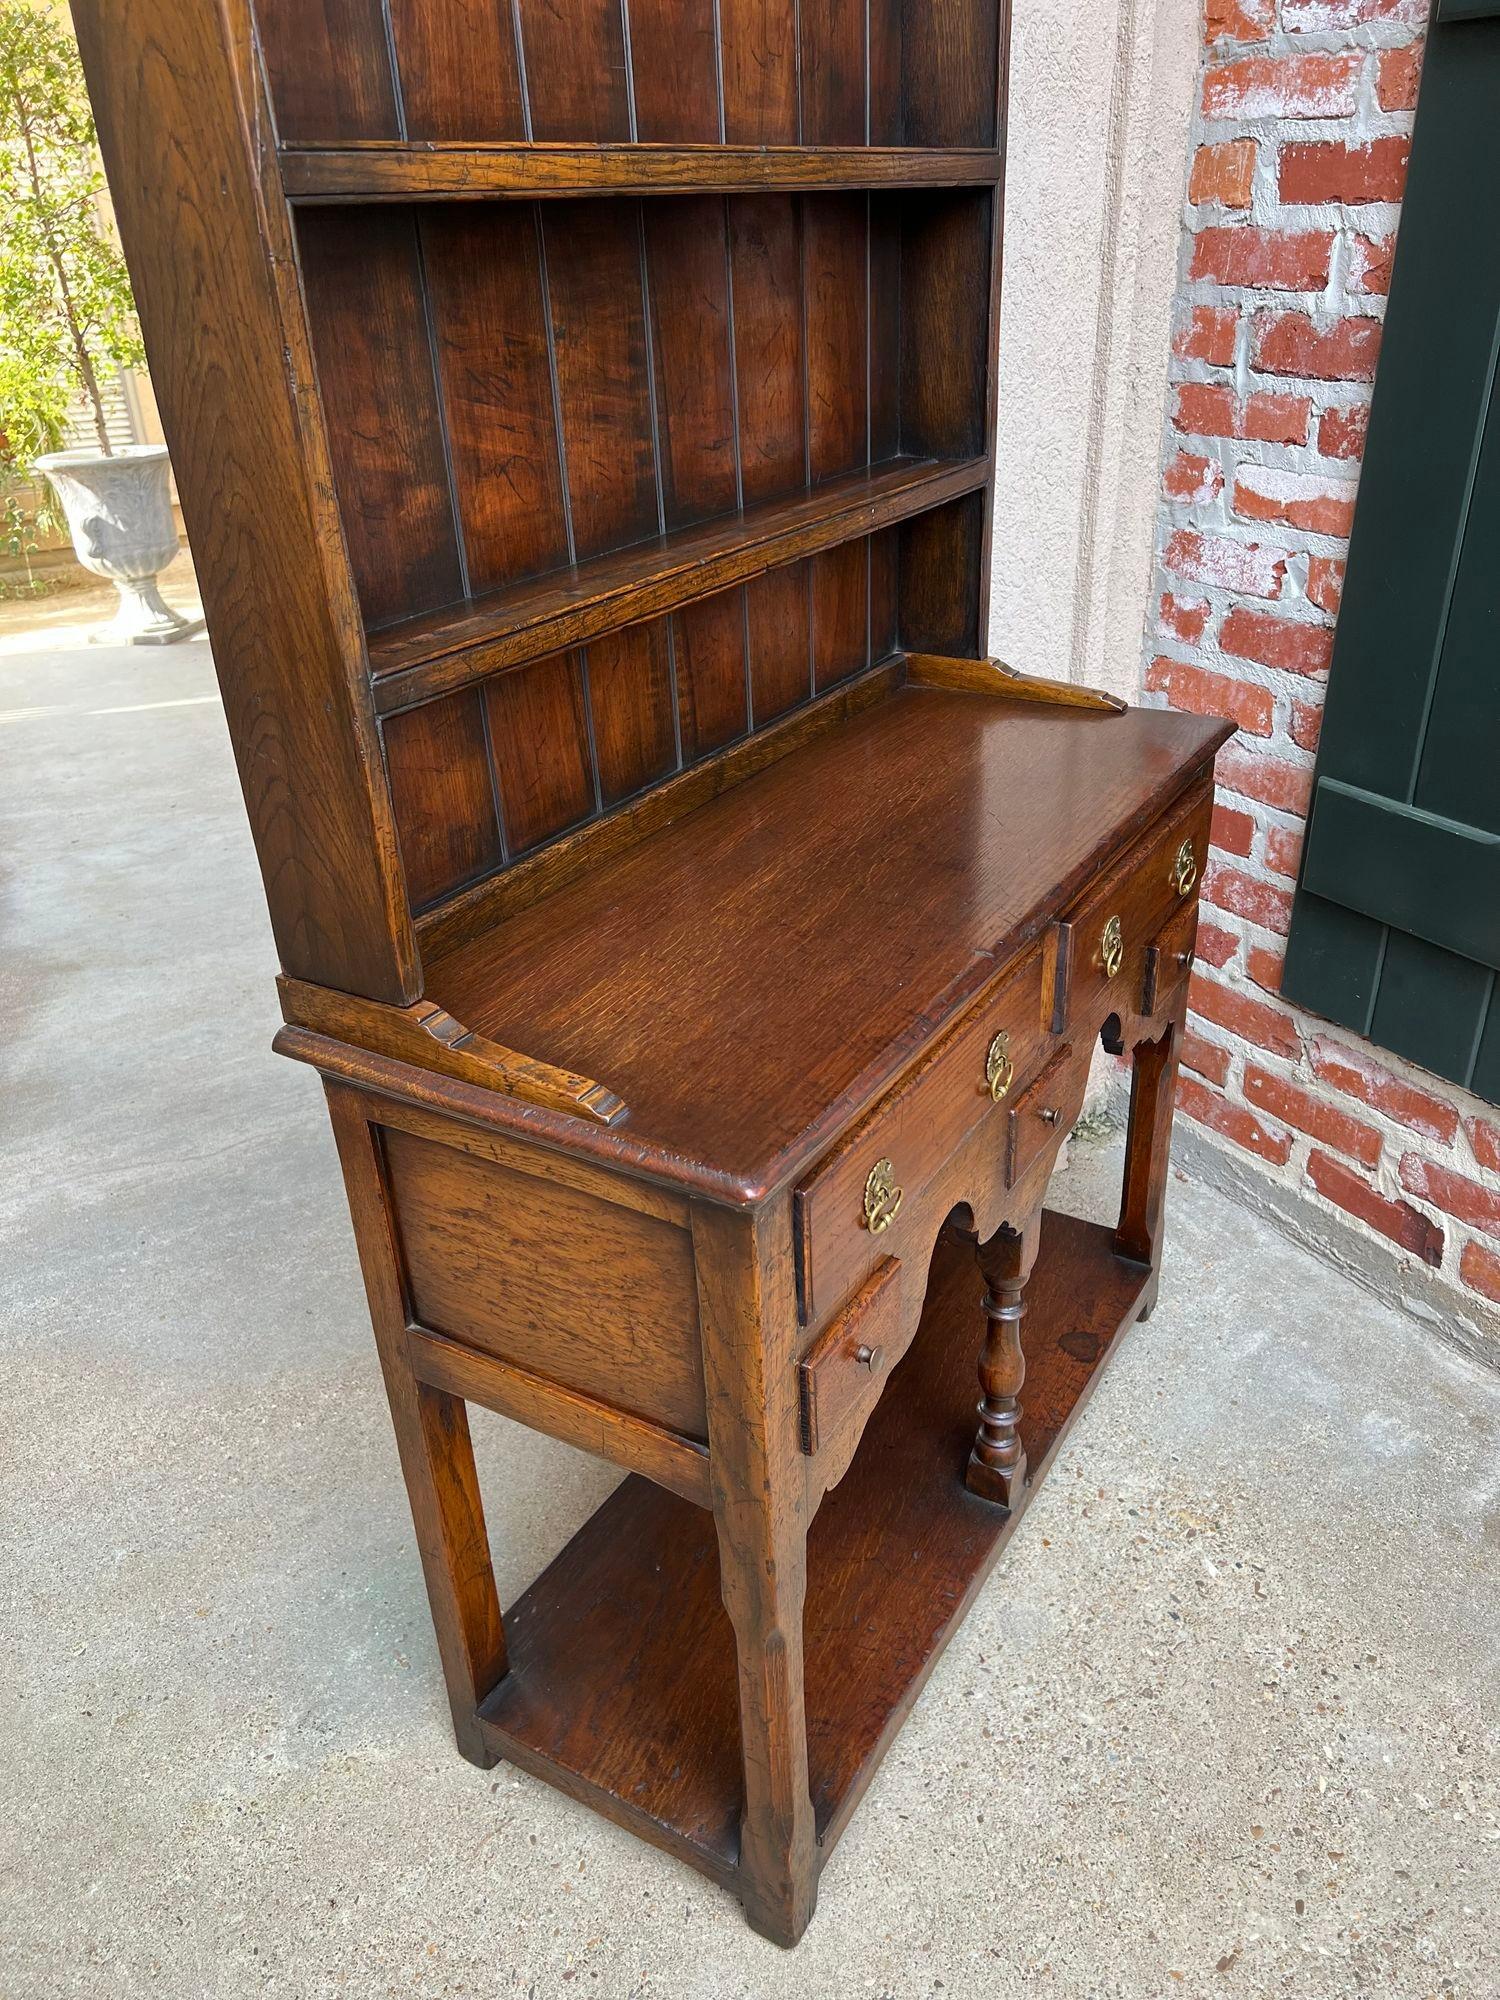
<point>583,412</point>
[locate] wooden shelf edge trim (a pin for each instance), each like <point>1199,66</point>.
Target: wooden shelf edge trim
<point>385,170</point>
<point>994,677</point>
<point>552,613</point>
<point>424,1035</point>
<point>615,1435</point>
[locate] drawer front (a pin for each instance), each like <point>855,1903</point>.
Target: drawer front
<point>1045,1110</point>
<point>840,1377</point>
<point>1096,958</point>
<point>863,1201</point>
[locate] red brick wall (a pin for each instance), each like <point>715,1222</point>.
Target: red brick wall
<point>1293,201</point>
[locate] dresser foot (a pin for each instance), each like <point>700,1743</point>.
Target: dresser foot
<point>997,1464</point>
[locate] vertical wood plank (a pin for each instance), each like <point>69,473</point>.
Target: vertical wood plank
<point>885,329</point>
<point>942,580</point>
<point>837,358</point>
<point>490,331</point>
<point>765,257</point>
<point>833,72</point>
<point>328,69</point>
<point>945,325</point>
<point>778,622</point>
<point>760,72</point>
<point>630,691</point>
<point>840,612</point>
<point>364,300</point>
<point>539,743</point>
<point>674,61</point>
<point>952,57</point>
<point>885,583</point>
<point>689,283</point>
<point>709,642</point>
<point>575,69</point>
<point>457,64</point>
<point>599,328</point>
<point>885,89</point>
<point>442,794</point>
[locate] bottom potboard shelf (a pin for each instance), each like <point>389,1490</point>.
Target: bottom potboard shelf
<point>622,1683</point>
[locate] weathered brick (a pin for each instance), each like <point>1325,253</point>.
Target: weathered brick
<point>1238,20</point>
<point>1325,582</point>
<point>1192,481</point>
<point>1304,1113</point>
<point>1292,645</point>
<point>1356,1075</point>
<point>1224,174</point>
<point>1397,1220</point>
<point>1232,831</point>
<point>1245,895</point>
<point>1283,852</point>
<point>1331,17</point>
<point>1469,1200</point>
<point>1208,335</point>
<point>1306,724</point>
<point>1265,967</point>
<point>1230,1120</point>
<point>1272,781</point>
<point>1270,418</point>
<point>1206,1057</point>
<point>1184,618</point>
<point>1325,171</point>
<point>1283,87</point>
<point>1307,500</point>
<point>1203,693</point>
<point>1215,946</point>
<point>1397,75</point>
<point>1370,260</point>
<point>1276,260</point>
<point>1293,344</point>
<point>1205,409</point>
<point>1221,564</point>
<point>1485,1139</point>
<point>1480,1270</point>
<point>1243,1015</point>
<point>1341,433</point>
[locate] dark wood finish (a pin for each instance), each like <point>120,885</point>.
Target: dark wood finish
<point>385,171</point>
<point>691,927</point>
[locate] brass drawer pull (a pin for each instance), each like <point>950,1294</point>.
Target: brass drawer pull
<point>1112,947</point>
<point>1184,869</point>
<point>999,1070</point>
<point>882,1198</point>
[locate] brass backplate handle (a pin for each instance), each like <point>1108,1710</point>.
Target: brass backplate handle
<point>999,1070</point>
<point>1184,869</point>
<point>1112,947</point>
<point>882,1198</point>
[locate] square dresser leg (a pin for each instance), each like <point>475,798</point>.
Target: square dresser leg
<point>437,1457</point>
<point>747,1316</point>
<point>1148,1141</point>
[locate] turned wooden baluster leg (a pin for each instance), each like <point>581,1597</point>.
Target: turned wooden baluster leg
<point>437,1458</point>
<point>997,1464</point>
<point>748,1317</point>
<point>1153,1089</point>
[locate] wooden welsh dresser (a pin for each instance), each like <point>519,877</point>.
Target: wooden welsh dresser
<point>583,412</point>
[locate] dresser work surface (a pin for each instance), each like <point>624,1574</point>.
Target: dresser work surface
<point>584,422</point>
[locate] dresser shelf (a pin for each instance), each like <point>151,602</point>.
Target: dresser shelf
<point>621,1688</point>
<point>386,170</point>
<point>452,648</point>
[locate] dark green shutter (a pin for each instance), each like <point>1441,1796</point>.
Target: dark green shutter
<point>1396,925</point>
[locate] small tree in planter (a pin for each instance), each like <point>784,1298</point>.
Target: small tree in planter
<point>67,321</point>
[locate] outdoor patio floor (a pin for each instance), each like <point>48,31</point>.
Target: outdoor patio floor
<point>1224,1722</point>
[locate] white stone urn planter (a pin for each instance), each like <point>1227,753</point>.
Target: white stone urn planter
<point>119,511</point>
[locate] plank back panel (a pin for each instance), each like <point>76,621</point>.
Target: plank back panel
<point>458,69</point>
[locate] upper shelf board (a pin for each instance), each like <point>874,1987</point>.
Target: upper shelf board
<point>384,170</point>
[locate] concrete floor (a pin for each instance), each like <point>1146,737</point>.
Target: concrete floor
<point>1223,1722</point>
